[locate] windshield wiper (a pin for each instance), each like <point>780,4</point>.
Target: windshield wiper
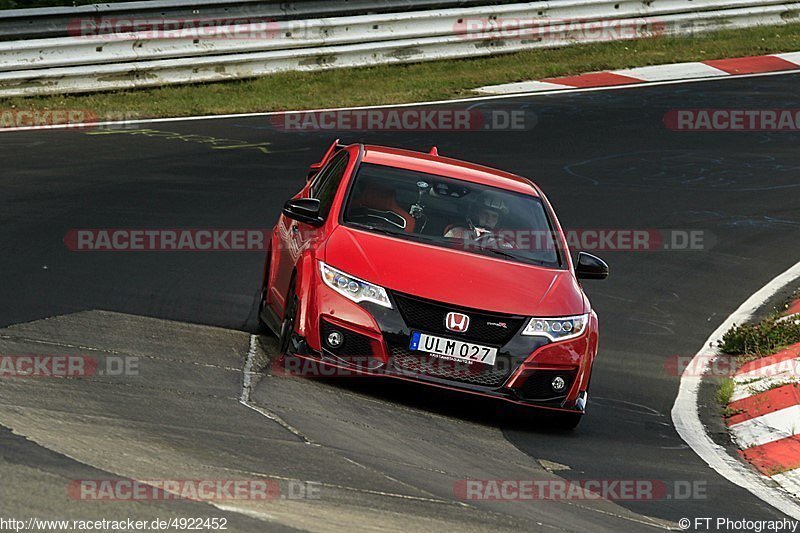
<point>522,259</point>
<point>501,253</point>
<point>517,258</point>
<point>376,229</point>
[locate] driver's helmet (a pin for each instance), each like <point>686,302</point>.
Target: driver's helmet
<point>488,211</point>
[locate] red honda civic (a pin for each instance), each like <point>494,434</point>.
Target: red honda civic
<point>414,266</point>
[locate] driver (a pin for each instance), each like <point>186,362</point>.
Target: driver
<point>484,220</point>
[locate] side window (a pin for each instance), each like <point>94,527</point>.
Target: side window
<point>321,176</point>
<point>328,183</point>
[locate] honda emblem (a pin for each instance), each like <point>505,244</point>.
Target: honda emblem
<point>457,322</point>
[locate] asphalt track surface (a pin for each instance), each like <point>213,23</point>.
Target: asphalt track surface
<point>386,455</point>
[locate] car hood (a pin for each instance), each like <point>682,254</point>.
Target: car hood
<point>453,276</point>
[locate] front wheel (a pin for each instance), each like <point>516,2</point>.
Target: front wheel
<point>262,305</point>
<point>262,302</point>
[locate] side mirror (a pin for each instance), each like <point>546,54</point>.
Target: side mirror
<point>304,210</point>
<point>591,267</point>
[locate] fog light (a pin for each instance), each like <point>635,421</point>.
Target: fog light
<point>558,384</point>
<point>335,339</point>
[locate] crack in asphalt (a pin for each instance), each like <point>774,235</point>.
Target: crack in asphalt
<point>249,380</point>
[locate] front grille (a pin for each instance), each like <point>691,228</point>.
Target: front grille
<point>430,317</point>
<point>407,363</point>
<point>354,345</point>
<point>536,386</point>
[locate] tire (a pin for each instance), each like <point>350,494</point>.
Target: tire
<point>262,326</point>
<point>288,322</point>
<point>262,303</point>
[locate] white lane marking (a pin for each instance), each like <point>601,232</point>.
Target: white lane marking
<point>258,515</point>
<point>791,57</point>
<point>677,71</point>
<point>470,100</point>
<point>522,87</point>
<point>686,417</point>
<point>249,380</point>
<point>767,428</point>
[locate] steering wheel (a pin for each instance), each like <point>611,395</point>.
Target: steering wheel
<point>497,240</point>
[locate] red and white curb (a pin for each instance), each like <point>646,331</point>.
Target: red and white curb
<point>766,423</point>
<point>685,412</point>
<point>660,73</point>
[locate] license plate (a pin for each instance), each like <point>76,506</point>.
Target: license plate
<point>465,351</point>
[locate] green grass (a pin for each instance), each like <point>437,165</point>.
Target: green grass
<point>416,82</point>
<point>725,392</point>
<point>752,341</point>
<point>723,397</point>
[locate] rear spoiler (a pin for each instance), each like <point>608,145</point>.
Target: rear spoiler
<point>316,167</point>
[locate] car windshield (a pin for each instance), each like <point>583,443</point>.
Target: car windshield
<point>451,213</point>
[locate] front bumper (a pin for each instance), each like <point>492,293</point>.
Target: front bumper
<point>376,343</point>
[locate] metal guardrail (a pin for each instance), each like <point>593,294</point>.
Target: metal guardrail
<point>19,24</point>
<point>141,59</point>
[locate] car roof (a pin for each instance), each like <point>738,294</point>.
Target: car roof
<point>447,167</point>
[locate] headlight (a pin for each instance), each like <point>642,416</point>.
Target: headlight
<point>557,329</point>
<point>355,289</point>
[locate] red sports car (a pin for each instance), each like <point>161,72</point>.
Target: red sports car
<point>414,266</point>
